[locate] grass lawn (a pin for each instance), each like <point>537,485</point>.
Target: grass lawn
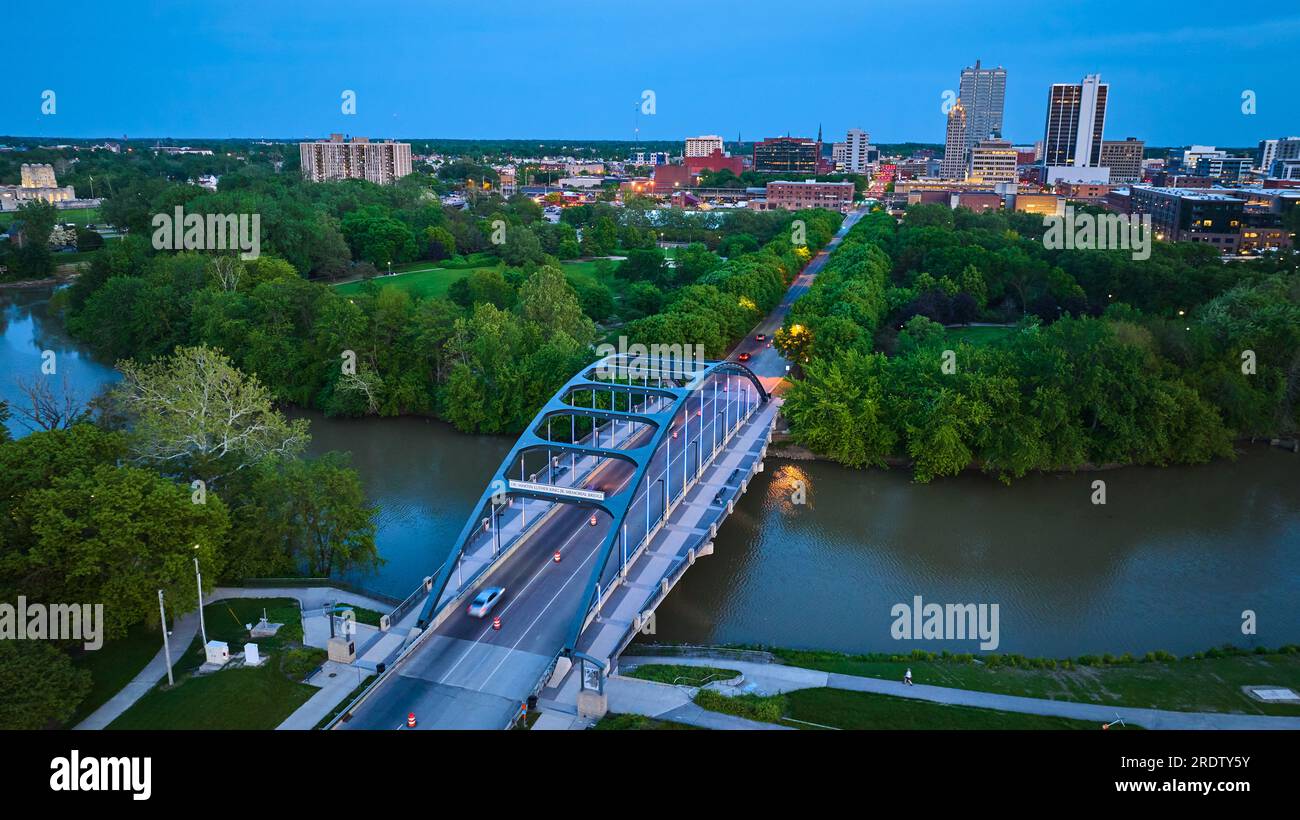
<point>681,674</point>
<point>366,616</point>
<point>624,722</point>
<point>426,280</point>
<point>114,664</point>
<point>1190,685</point>
<point>842,709</point>
<point>245,698</point>
<point>979,335</point>
<point>76,216</point>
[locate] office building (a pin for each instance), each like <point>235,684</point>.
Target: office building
<point>992,161</point>
<point>1189,215</point>
<point>1223,169</point>
<point>336,158</point>
<point>954,146</point>
<point>702,146</point>
<point>1124,159</point>
<point>716,161</point>
<point>795,196</point>
<point>787,155</point>
<point>1076,119</point>
<point>983,92</point>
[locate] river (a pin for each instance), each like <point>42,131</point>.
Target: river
<point>1171,561</point>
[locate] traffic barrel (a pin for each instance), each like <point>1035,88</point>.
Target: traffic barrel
<point>410,720</point>
<point>496,622</point>
<point>593,519</point>
<point>557,556</point>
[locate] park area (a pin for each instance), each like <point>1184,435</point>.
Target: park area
<point>430,281</point>
<point>258,697</point>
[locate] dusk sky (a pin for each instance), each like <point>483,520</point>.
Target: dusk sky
<point>578,69</point>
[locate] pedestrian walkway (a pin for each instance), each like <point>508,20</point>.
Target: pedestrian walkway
<point>186,627</point>
<point>772,678</point>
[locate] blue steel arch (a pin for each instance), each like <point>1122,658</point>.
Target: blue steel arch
<point>617,505</point>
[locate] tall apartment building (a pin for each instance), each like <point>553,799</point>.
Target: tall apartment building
<point>787,155</point>
<point>380,162</point>
<point>1076,118</point>
<point>954,146</point>
<point>857,147</point>
<point>1270,151</point>
<point>983,92</point>
<point>992,161</point>
<point>1265,154</point>
<point>703,146</point>
<point>1124,159</point>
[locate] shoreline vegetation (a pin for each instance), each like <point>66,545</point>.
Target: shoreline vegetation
<point>953,340</point>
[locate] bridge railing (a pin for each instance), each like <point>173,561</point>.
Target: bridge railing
<point>612,572</point>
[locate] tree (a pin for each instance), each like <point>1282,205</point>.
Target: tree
<point>547,299</point>
<point>39,686</point>
<point>441,243</point>
<point>324,517</point>
<point>44,408</point>
<point>116,535</point>
<point>193,413</point>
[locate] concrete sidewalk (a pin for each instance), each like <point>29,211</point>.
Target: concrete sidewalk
<point>666,702</point>
<point>186,627</point>
<point>772,678</point>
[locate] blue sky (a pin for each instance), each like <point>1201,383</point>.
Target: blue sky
<point>561,69</point>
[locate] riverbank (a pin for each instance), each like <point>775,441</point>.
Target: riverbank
<point>1215,681</point>
<point>783,445</point>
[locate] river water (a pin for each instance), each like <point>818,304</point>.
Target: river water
<point>1171,561</point>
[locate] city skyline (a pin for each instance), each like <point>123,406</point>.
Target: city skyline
<point>530,74</point>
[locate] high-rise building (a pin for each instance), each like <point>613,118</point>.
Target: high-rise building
<point>954,147</point>
<point>992,162</point>
<point>1124,159</point>
<point>380,162</point>
<point>703,146</point>
<point>787,155</point>
<point>1270,151</point>
<point>1076,118</point>
<point>1265,154</point>
<point>982,92</point>
<point>857,146</point>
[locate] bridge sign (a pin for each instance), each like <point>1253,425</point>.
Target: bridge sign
<point>555,489</point>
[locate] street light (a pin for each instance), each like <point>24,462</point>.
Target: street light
<point>199,578</point>
<point>167,651</point>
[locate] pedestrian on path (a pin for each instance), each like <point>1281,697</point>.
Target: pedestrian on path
<point>907,677</point>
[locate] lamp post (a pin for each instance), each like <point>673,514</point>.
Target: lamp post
<point>167,651</point>
<point>203,628</point>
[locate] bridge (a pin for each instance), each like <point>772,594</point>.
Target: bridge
<point>609,496</point>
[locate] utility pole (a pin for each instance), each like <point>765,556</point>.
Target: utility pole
<point>167,652</point>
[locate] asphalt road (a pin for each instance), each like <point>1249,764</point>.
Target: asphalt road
<point>765,360</point>
<point>469,675</point>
